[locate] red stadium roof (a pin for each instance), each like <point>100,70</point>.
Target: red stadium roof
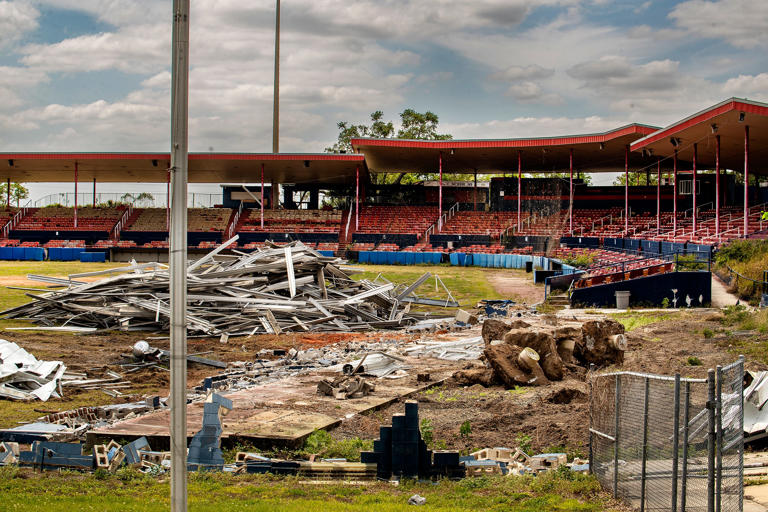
<point>726,119</point>
<point>203,167</point>
<point>592,152</point>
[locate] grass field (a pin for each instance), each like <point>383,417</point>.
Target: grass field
<point>468,285</point>
<point>130,490</point>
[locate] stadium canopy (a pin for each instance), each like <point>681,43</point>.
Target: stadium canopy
<point>727,120</point>
<point>203,167</point>
<point>598,152</point>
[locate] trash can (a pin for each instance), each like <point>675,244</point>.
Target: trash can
<point>529,266</point>
<point>622,299</point>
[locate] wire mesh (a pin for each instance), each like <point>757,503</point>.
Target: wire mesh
<point>651,441</point>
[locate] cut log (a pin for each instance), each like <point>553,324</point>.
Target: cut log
<point>600,343</point>
<point>544,344</point>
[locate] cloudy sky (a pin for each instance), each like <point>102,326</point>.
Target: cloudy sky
<point>93,75</point>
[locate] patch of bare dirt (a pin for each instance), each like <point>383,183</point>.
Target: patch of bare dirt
<point>516,286</point>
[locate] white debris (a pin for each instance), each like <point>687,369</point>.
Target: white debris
<point>467,349</point>
<point>23,377</point>
<point>417,500</point>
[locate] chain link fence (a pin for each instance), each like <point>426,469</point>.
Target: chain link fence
<point>670,443</point>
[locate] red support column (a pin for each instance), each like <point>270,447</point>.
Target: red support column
<point>262,196</point>
<point>474,194</point>
<point>746,180</point>
<point>693,186</point>
<point>8,194</point>
<point>94,192</point>
<point>570,195</point>
<point>75,195</point>
<point>717,186</point>
<point>626,190</point>
<point>658,196</point>
<point>674,196</point>
<point>519,187</point>
<point>357,198</point>
<point>440,195</point>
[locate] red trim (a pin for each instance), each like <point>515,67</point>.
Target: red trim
<point>192,156</point>
<point>506,143</point>
<point>701,118</point>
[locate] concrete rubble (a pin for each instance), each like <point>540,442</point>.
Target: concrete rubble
<point>23,377</point>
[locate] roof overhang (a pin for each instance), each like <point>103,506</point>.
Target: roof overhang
<point>599,152</point>
<point>203,167</point>
<point>727,119</point>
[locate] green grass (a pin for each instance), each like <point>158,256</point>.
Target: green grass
<point>632,320</point>
<point>10,271</point>
<point>468,285</point>
<point>129,490</point>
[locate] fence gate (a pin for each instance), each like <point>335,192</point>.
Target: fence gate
<point>670,443</point>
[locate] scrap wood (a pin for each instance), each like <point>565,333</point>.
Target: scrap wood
<point>280,288</point>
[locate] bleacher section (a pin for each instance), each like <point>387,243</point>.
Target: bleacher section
<point>397,219</point>
<point>479,223</point>
<point>57,218</point>
<point>198,219</point>
<point>290,221</point>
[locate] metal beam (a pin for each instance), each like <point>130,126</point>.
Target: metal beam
<point>746,180</point>
<point>674,195</point>
<point>178,253</point>
<point>693,184</point>
<point>717,186</point>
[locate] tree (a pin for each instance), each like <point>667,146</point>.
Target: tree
<point>420,126</point>
<point>413,125</point>
<point>18,192</point>
<point>347,132</point>
<point>636,179</point>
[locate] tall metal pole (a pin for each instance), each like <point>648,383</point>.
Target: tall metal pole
<point>8,193</point>
<point>519,187</point>
<point>178,253</point>
<point>711,439</point>
<point>262,196</point>
<point>693,184</point>
<point>276,99</point>
<point>75,195</point>
<point>746,180</point>
<point>626,191</point>
<point>570,195</point>
<point>674,196</point>
<point>717,186</point>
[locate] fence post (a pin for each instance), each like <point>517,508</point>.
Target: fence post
<point>741,429</point>
<point>684,483</point>
<point>675,441</point>
<point>645,445</point>
<point>616,418</point>
<point>711,440</point>
<point>719,444</point>
<point>591,426</point>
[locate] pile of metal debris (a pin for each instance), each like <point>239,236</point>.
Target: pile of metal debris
<point>278,289</point>
<point>23,377</point>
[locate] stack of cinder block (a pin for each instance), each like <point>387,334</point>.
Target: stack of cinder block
<point>400,451</point>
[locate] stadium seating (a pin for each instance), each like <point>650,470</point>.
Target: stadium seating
<point>290,221</point>
<point>396,219</point>
<point>55,218</point>
<point>198,219</point>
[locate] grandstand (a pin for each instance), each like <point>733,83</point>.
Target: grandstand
<point>700,198</point>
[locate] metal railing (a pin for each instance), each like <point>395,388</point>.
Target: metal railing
<point>138,199</point>
<point>445,217</point>
<point>235,220</point>
<point>14,221</point>
<point>121,223</point>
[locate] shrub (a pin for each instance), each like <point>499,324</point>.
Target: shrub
<point>693,361</point>
<point>465,430</point>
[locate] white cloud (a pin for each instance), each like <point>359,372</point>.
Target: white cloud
<point>742,23</point>
<point>530,72</point>
<point>618,76</point>
<point>16,19</point>
<point>756,87</point>
<point>132,50</point>
<point>534,127</point>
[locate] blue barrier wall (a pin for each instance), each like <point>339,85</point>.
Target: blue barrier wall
<point>22,253</point>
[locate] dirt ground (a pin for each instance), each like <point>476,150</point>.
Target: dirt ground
<point>555,416</point>
<point>546,417</point>
<point>516,285</point>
